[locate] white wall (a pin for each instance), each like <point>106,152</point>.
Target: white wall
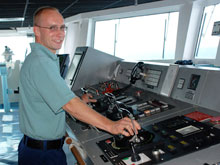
<point>76,36</point>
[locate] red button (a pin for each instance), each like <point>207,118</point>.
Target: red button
<point>108,141</point>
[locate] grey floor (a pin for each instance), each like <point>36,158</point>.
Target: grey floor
<point>10,137</point>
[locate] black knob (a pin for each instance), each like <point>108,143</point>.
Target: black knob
<point>134,157</point>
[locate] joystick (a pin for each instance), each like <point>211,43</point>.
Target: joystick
<point>134,157</point>
<point>113,109</point>
<point>135,139</point>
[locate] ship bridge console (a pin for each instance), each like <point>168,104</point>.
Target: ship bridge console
<point>177,107</point>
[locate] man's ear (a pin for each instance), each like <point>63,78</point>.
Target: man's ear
<point>36,31</point>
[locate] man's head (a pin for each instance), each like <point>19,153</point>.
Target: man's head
<point>49,28</point>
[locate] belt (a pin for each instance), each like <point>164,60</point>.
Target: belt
<point>43,144</point>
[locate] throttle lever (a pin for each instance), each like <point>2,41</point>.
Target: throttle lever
<point>84,90</point>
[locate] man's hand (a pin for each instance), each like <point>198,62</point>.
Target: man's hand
<point>124,127</point>
<point>88,98</point>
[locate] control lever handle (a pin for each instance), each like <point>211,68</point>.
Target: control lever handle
<point>135,138</point>
<point>113,103</point>
<point>110,95</point>
<point>134,157</point>
<point>84,90</point>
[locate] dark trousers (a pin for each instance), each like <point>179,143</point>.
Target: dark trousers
<point>30,156</point>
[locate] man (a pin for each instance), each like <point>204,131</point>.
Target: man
<point>45,97</point>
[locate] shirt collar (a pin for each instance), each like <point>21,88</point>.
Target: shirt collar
<point>40,48</point>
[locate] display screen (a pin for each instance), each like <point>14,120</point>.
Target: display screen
<point>73,66</point>
<point>187,130</point>
<point>153,77</point>
<point>194,80</point>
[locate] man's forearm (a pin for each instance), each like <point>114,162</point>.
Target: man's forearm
<point>83,112</point>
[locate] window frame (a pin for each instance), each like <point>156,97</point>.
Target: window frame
<point>205,60</point>
<point>151,11</point>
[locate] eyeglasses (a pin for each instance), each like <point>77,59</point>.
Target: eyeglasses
<point>54,28</point>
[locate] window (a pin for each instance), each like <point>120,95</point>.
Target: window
<point>207,44</point>
<point>151,37</point>
<point>19,45</point>
<point>105,33</point>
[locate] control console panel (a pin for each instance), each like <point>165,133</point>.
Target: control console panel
<point>161,142</point>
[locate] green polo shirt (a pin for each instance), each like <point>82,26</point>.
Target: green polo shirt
<point>43,92</point>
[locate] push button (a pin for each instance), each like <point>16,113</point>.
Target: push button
<point>173,138</point>
<point>171,148</point>
<point>184,144</point>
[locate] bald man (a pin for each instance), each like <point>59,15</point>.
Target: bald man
<point>44,97</point>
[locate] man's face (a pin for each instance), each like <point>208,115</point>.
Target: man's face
<point>50,38</point>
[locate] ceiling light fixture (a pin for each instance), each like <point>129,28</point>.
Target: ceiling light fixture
<point>11,19</point>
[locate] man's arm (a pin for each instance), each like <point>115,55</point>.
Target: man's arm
<point>81,111</point>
